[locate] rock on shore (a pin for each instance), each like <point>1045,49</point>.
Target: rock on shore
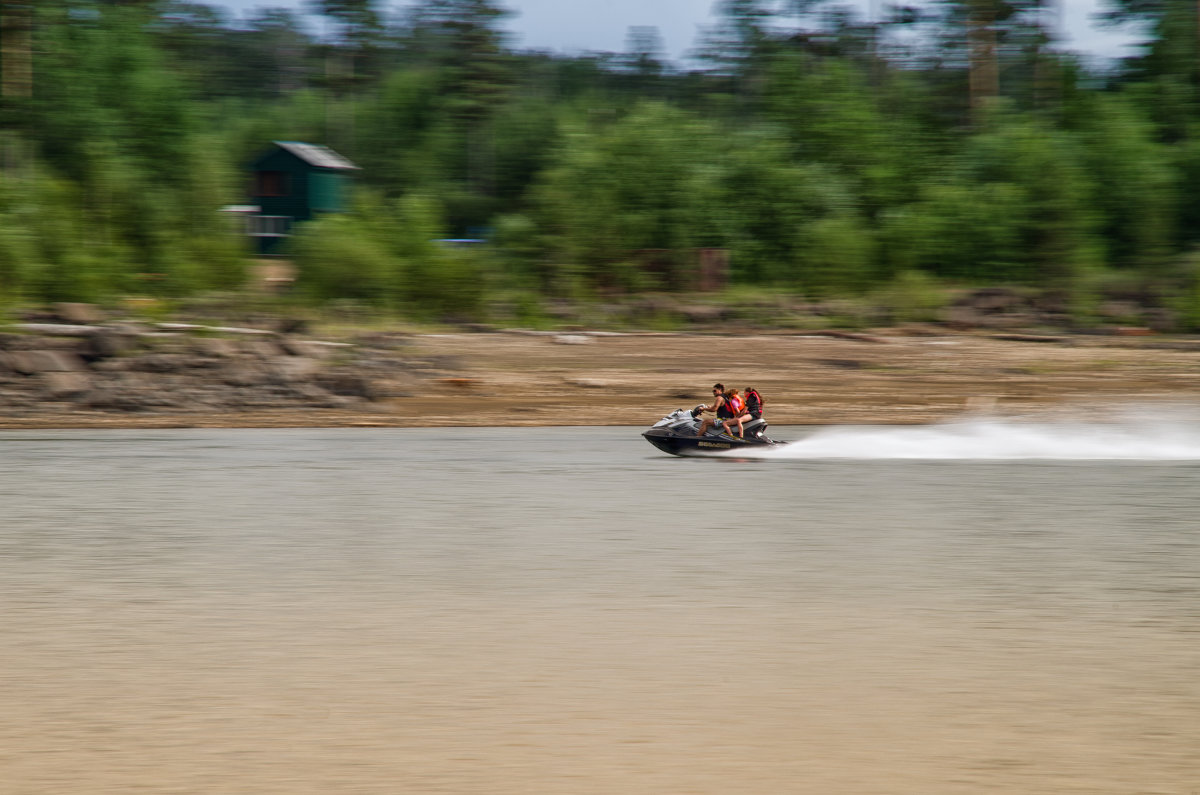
<point>129,367</point>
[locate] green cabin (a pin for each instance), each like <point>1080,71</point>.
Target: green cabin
<point>293,182</point>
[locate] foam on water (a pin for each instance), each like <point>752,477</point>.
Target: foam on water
<point>1133,435</point>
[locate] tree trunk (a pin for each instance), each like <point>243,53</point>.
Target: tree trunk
<point>16,49</point>
<point>984,70</point>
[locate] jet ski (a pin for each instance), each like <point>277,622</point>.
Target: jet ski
<point>676,434</point>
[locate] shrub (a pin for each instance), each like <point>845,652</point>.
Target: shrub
<point>913,297</point>
<point>336,260</point>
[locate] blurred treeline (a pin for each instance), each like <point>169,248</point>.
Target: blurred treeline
<point>953,143</point>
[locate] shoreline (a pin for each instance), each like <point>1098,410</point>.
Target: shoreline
<point>885,377</point>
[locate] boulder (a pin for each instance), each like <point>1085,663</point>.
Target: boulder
<point>112,365</point>
<point>16,398</point>
<point>384,340</point>
<point>59,385</point>
<point>244,372</point>
<point>104,343</point>
<point>81,314</point>
<point>292,325</point>
<point>347,384</point>
<point>263,348</point>
<point>216,346</point>
<point>293,347</point>
<point>316,396</point>
<point>44,361</point>
<point>110,398</point>
<point>161,362</point>
<point>296,368</point>
<point>390,388</point>
<point>962,317</point>
<point>308,348</point>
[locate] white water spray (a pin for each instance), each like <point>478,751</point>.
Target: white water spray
<point>1144,434</point>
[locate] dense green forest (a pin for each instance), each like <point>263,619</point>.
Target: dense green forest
<point>947,145</point>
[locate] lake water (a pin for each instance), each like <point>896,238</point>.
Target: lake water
<point>990,607</point>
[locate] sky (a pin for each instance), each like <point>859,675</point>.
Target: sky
<point>576,26</point>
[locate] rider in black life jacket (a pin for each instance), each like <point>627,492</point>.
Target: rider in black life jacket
<point>718,406</point>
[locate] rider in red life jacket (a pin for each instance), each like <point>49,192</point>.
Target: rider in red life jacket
<point>752,410</point>
<point>737,408</point>
<point>754,403</point>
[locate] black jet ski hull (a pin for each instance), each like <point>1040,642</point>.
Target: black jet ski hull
<point>676,434</point>
<point>677,444</point>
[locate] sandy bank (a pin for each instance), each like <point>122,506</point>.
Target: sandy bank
<point>884,377</point>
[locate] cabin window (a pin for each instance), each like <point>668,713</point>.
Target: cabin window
<point>268,225</point>
<point>270,183</point>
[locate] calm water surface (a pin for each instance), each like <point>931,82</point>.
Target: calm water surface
<point>568,611</point>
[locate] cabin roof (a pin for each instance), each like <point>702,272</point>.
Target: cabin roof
<point>316,155</point>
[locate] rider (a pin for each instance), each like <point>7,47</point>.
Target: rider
<point>752,411</point>
<point>737,407</point>
<point>718,406</point>
<point>754,403</point>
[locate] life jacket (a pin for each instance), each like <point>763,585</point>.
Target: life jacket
<point>723,410</point>
<point>736,406</point>
<point>754,402</point>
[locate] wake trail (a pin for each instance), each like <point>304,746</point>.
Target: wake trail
<point>1136,436</point>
